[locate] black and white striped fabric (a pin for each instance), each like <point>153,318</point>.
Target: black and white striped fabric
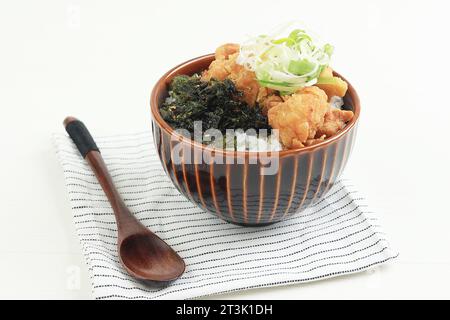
<point>339,235</point>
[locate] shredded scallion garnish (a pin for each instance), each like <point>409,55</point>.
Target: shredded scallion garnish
<point>285,63</point>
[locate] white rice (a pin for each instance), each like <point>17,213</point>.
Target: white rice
<point>336,102</point>
<point>245,142</point>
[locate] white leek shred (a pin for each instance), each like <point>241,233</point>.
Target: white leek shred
<point>285,63</point>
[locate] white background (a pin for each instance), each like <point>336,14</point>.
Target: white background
<point>98,60</point>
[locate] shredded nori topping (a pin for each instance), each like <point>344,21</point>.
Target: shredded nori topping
<point>216,103</point>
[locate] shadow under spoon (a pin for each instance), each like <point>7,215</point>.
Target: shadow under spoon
<point>142,253</point>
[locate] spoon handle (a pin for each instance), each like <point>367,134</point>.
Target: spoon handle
<point>89,151</point>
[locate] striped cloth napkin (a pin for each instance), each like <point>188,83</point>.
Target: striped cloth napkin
<point>339,235</point>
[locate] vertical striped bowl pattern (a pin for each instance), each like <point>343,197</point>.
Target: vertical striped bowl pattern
<point>235,189</point>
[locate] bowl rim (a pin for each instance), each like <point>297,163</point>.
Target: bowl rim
<point>164,125</point>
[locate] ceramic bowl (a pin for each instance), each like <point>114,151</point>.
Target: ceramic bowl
<point>243,189</point>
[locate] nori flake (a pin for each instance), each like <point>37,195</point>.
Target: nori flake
<point>216,103</point>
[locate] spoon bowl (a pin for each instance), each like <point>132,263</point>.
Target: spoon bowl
<point>145,256</point>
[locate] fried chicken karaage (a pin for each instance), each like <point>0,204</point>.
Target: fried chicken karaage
<point>334,121</point>
<point>299,117</point>
<point>225,66</point>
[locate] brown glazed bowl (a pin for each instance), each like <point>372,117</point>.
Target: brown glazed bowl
<point>236,190</point>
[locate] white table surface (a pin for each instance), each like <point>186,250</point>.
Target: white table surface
<point>98,60</point>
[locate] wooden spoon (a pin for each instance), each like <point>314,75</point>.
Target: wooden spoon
<point>142,253</point>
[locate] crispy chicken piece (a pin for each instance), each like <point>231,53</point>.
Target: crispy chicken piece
<point>267,98</point>
<point>218,69</point>
<point>224,63</point>
<point>311,142</point>
<point>299,117</point>
<point>225,66</point>
<point>245,81</point>
<point>224,51</point>
<point>335,120</point>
